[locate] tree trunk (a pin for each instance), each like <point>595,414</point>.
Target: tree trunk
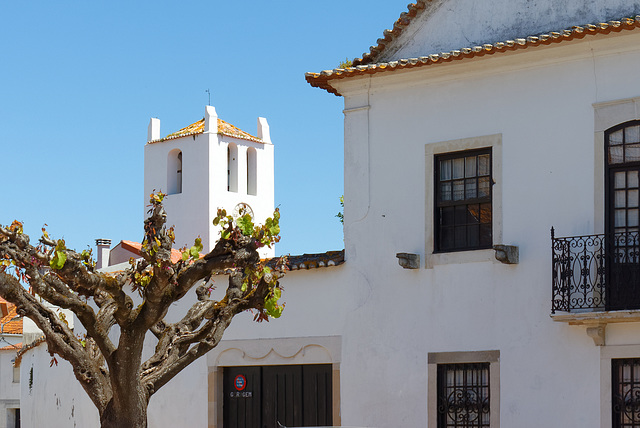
<point>128,405</point>
<point>128,413</point>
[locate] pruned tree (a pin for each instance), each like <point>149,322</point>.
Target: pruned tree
<point>136,301</point>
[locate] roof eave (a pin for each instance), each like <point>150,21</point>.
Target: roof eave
<point>323,79</point>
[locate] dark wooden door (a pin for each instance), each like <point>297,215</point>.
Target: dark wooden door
<point>277,396</point>
<point>282,402</point>
<point>242,403</point>
<point>316,394</point>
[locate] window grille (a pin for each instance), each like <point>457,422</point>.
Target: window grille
<point>625,399</point>
<point>463,395</point>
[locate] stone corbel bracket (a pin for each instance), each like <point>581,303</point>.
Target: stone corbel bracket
<point>597,333</point>
<point>409,260</point>
<point>507,254</point>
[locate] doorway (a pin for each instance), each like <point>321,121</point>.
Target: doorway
<point>277,396</point>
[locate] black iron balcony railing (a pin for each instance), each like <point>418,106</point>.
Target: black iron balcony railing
<point>596,272</point>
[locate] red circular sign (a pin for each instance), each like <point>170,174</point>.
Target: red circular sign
<point>240,382</point>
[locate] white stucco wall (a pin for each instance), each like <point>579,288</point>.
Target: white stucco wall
<point>455,24</point>
<point>51,396</point>
<point>541,104</point>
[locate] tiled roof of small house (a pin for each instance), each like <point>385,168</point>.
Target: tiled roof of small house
<point>11,323</point>
<point>25,349</point>
<point>322,79</point>
<point>136,247</point>
<point>15,347</point>
<point>224,128</point>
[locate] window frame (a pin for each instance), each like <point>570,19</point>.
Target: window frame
<point>615,383</point>
<point>607,115</point>
<point>607,354</point>
<point>434,258</point>
<point>439,203</point>
<point>436,359</point>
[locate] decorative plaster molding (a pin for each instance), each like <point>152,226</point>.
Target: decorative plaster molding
<point>277,351</point>
<point>237,354</point>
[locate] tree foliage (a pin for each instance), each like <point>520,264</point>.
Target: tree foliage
<point>340,214</point>
<point>136,301</point>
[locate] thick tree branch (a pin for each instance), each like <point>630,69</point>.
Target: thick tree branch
<point>114,377</point>
<point>60,339</point>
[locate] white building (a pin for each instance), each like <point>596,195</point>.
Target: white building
<point>470,130</point>
<point>518,85</point>
<point>227,168</point>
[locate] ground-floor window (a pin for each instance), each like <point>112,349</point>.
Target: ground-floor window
<point>625,398</point>
<point>463,395</point>
<point>275,396</point>
<point>463,389</point>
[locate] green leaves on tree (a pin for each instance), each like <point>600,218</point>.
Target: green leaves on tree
<point>340,214</point>
<point>59,256</point>
<point>271,306</point>
<point>85,256</point>
<point>17,227</point>
<point>265,235</point>
<point>195,250</point>
<point>156,198</point>
<point>245,224</point>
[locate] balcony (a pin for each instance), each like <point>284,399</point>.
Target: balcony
<point>596,278</point>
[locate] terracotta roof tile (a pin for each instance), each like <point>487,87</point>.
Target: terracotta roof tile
<point>15,347</point>
<point>413,10</point>
<point>11,323</point>
<point>321,79</point>
<point>224,128</point>
<point>135,248</point>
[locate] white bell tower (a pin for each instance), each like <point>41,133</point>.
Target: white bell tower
<point>207,165</point>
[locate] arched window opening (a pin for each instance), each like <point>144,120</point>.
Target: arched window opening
<point>252,171</point>
<point>174,172</point>
<point>232,168</point>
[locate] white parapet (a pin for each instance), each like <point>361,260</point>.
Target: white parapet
<point>210,120</point>
<point>153,131</point>
<point>263,130</point>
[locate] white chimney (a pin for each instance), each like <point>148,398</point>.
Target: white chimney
<point>263,130</point>
<point>153,131</point>
<point>103,252</point>
<point>210,120</point>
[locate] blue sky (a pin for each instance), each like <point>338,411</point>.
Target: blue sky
<point>80,80</point>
